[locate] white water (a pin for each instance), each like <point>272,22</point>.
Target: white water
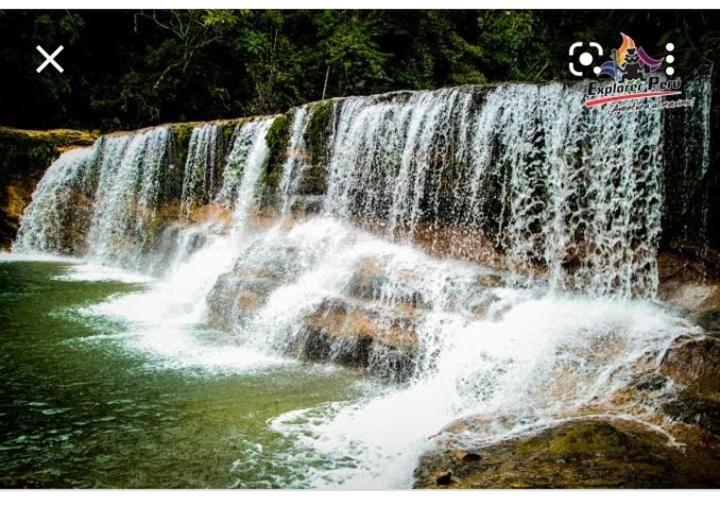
<point>569,195</point>
<point>53,201</point>
<point>252,169</point>
<point>572,184</point>
<point>296,163</point>
<point>246,150</point>
<point>201,179</point>
<point>167,313</point>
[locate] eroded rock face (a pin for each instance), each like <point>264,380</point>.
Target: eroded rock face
<point>373,280</point>
<point>693,410</point>
<point>591,453</point>
<point>693,364</point>
<point>234,298</point>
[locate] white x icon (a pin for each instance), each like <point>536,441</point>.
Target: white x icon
<point>49,59</point>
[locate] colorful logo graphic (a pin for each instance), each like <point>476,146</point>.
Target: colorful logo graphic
<point>629,62</point>
<point>635,74</point>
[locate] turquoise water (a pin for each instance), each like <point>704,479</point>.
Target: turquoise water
<point>81,407</point>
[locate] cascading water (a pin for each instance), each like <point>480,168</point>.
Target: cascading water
<point>248,148</point>
<point>129,197</point>
<point>570,198</point>
<point>201,168</point>
<point>249,160</point>
<point>107,202</point>
<point>569,188</point>
<point>296,161</point>
<point>43,224</point>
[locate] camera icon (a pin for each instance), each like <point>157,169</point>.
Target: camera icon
<point>581,61</point>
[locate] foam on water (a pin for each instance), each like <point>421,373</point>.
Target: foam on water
<point>543,358</point>
<point>99,272</point>
<point>37,257</point>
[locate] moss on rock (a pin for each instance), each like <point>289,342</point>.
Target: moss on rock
<point>594,453</point>
<point>181,143</point>
<point>317,134</point>
<point>277,140</point>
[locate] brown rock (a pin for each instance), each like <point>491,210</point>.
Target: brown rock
<point>587,453</point>
<point>688,278</point>
<point>352,334</point>
<point>695,364</point>
<point>444,478</point>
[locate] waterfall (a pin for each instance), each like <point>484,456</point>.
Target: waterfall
<point>296,161</point>
<point>416,188</point>
<point>201,168</point>
<point>573,192</point>
<point>248,158</point>
<point>57,197</point>
<point>122,201</point>
<point>248,147</point>
<point>129,197</point>
<point>564,195</point>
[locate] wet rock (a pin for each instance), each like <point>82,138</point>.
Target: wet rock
<point>491,280</point>
<point>234,298</point>
<point>368,280</point>
<point>348,333</point>
<point>467,457</point>
<point>377,278</point>
<point>649,382</point>
<point>238,294</point>
<point>372,279</point>
<point>695,364</point>
<point>304,205</point>
<point>709,320</point>
<point>692,295</point>
<point>576,454</point>
<point>444,478</point>
<point>694,410</point>
<point>687,280</point>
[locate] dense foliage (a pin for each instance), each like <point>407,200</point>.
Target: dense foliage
<point>126,69</point>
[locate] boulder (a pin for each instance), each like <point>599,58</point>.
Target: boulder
<point>695,364</point>
<point>688,278</point>
<point>584,453</point>
<point>372,278</point>
<point>352,334</point>
<point>368,281</point>
<point>709,320</point>
<point>237,294</point>
<point>234,298</point>
<point>690,409</point>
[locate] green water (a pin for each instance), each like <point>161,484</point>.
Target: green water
<point>78,408</point>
